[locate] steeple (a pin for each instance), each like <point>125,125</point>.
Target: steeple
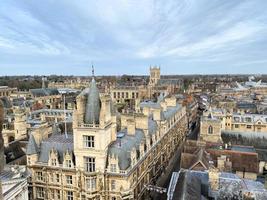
<point>43,82</point>
<point>92,111</point>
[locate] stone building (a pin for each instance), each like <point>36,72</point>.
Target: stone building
<point>202,156</point>
<point>239,122</point>
<point>13,179</point>
<point>156,86</point>
<point>102,160</point>
<point>15,126</point>
<point>7,91</point>
<point>210,128</point>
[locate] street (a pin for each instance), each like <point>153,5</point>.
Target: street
<point>174,166</point>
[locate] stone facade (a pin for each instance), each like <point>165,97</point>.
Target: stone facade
<point>100,162</point>
<point>210,129</point>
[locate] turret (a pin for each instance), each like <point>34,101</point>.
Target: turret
<point>32,151</point>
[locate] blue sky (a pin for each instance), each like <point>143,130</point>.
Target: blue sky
<point>127,36</point>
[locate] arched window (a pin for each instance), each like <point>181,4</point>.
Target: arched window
<point>210,130</point>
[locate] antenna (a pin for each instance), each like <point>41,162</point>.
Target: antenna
<point>65,123</point>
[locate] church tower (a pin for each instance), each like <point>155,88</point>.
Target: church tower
<point>210,128</point>
<point>154,76</point>
<point>94,128</point>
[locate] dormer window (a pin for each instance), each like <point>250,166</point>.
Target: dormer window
<point>54,162</point>
<point>53,157</point>
<point>210,130</point>
<point>68,163</point>
<point>248,119</point>
<point>237,119</point>
<point>113,168</point>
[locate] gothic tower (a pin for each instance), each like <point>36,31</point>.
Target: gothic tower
<point>154,76</point>
<point>94,128</point>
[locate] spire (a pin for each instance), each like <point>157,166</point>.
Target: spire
<point>93,103</point>
<point>43,82</point>
<point>93,71</point>
<point>32,146</point>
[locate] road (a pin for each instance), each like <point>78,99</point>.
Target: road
<point>174,166</point>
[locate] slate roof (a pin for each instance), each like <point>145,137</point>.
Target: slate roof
<point>194,185</point>
<point>6,102</point>
<point>188,187</point>
<point>44,92</point>
<point>92,111</point>
<point>122,147</point>
<point>32,146</point>
<point>14,151</point>
<point>57,141</point>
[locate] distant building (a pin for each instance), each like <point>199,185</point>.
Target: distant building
<point>7,91</point>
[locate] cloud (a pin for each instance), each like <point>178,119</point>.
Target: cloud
<point>133,33</point>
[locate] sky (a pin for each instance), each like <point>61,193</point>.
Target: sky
<point>65,37</point>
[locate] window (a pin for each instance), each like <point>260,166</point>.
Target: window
<point>133,95</point>
<point>54,162</point>
<point>89,164</point>
<point>210,130</point>
<point>113,198</point>
<point>88,141</point>
<point>249,126</point>
<point>52,194</point>
<point>39,176</point>
<point>137,95</point>
<point>51,178</point>
<point>248,119</point>
<point>113,168</point>
<point>237,119</point>
<point>122,95</point>
<point>91,183</point>
<point>127,95</point>
<point>68,163</point>
<point>69,195</point>
<point>114,95</point>
<point>119,95</point>
<point>69,179</point>
<point>40,192</point>
<point>113,184</point>
<point>57,193</point>
<point>57,178</point>
<point>236,125</point>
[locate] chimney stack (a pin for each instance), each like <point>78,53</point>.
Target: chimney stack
<point>131,126</point>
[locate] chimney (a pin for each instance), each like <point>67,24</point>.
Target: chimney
<point>141,121</point>
<point>214,179</point>
<point>131,126</point>
<point>163,104</point>
<point>156,114</point>
<point>171,101</point>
